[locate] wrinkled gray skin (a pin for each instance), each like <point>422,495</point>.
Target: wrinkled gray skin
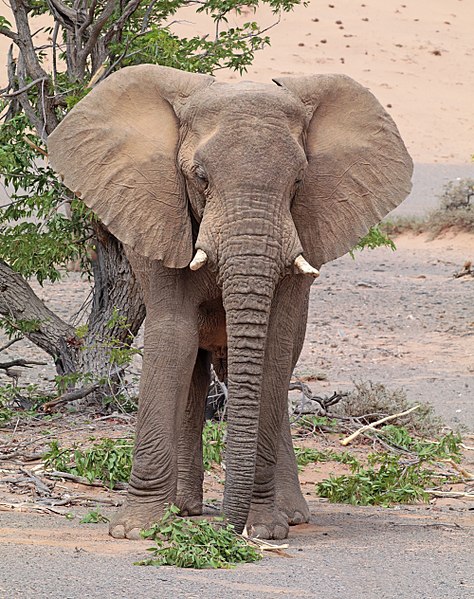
<point>254,175</point>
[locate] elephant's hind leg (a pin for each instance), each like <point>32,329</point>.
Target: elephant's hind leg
<point>190,467</point>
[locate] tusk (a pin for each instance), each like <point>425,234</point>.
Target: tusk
<point>304,267</point>
<point>200,258</point>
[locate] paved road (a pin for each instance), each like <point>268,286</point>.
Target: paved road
<point>428,183</point>
<point>346,553</point>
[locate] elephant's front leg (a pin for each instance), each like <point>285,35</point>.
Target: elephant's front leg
<point>171,345</point>
<point>266,519</point>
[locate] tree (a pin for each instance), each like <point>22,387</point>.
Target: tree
<point>43,225</point>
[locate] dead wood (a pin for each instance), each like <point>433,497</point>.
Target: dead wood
<point>367,427</point>
<point>118,486</point>
<point>71,396</point>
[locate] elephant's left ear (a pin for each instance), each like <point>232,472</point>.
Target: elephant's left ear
<point>358,166</point>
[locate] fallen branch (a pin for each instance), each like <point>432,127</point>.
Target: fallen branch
<point>82,480</point>
<point>367,427</point>
<point>10,343</point>
<point>21,362</point>
<point>468,476</point>
<point>451,494</point>
<point>71,396</point>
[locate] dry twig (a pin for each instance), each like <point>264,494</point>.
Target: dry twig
<point>367,427</point>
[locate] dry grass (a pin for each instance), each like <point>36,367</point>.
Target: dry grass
<point>455,213</point>
<point>372,401</point>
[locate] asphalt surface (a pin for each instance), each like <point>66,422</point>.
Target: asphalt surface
<point>428,183</point>
<point>346,553</point>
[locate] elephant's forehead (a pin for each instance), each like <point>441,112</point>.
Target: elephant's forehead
<point>246,97</point>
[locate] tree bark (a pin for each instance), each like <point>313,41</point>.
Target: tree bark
<point>116,292</point>
<point>18,302</point>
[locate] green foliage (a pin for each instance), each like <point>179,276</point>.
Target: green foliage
<point>390,478</point>
<point>213,443</point>
<point>392,482</point>
<point>196,544</point>
<point>109,460</point>
<point>37,237</point>
<point>306,455</point>
<point>94,517</point>
<point>447,447</point>
<point>311,423</point>
<point>12,397</point>
<point>13,328</point>
<point>375,238</point>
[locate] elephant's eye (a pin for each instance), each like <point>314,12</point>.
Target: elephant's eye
<point>200,174</point>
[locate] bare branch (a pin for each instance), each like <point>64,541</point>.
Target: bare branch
<point>146,18</point>
<point>20,362</point>
<point>25,41</point>
<point>9,33</point>
<point>25,88</point>
<point>89,18</point>
<point>10,343</point>
<point>95,33</point>
<point>71,396</point>
<point>55,58</point>
<point>19,302</point>
<point>117,27</point>
<point>67,16</point>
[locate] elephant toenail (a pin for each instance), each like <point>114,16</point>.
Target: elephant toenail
<point>134,534</point>
<point>118,532</point>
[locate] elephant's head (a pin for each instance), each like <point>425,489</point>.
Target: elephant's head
<point>245,177</point>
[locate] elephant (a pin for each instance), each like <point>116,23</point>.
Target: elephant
<point>228,198</point>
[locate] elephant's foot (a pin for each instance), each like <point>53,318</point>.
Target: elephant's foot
<point>188,504</point>
<point>294,506</point>
<point>266,523</point>
<point>134,516</point>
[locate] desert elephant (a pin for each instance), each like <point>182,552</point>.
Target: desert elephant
<point>227,197</point>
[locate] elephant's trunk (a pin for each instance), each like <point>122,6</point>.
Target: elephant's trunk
<point>247,300</point>
<point>250,265</point>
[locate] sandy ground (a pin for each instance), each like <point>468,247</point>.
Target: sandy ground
<point>415,55</point>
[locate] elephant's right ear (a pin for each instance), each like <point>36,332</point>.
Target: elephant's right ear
<point>116,150</point>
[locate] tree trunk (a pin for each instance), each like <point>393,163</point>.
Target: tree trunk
<point>21,307</point>
<point>117,306</point>
<point>116,315</point>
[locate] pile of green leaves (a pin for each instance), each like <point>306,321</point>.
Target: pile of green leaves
<point>94,517</point>
<point>392,482</point>
<point>306,455</point>
<point>109,460</point>
<point>446,447</point>
<point>196,543</point>
<point>393,478</point>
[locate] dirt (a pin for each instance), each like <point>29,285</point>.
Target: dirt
<point>398,318</point>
